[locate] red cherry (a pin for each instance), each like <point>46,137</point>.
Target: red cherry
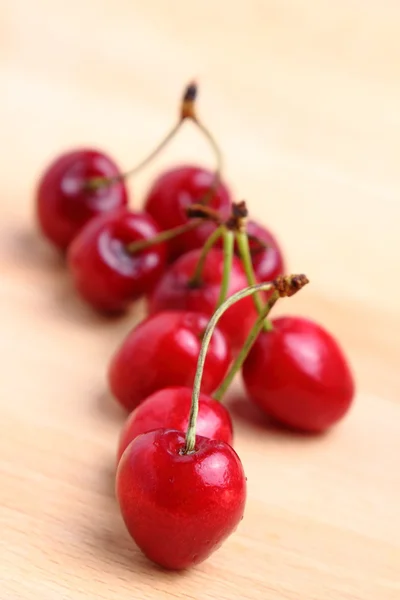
<point>298,375</point>
<point>174,291</point>
<point>105,274</point>
<point>267,262</point>
<point>64,205</point>
<point>169,408</point>
<point>179,508</point>
<point>161,352</point>
<point>173,192</point>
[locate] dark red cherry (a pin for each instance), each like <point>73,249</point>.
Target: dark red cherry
<point>161,352</point>
<point>173,192</point>
<point>174,291</point>
<point>63,202</point>
<point>179,508</point>
<point>298,375</point>
<point>170,408</point>
<point>267,262</point>
<point>104,272</point>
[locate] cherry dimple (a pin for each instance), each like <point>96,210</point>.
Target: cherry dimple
<point>194,502</point>
<point>170,408</point>
<point>103,270</point>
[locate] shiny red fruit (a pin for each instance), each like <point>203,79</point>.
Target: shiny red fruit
<point>64,205</point>
<point>175,292</point>
<point>179,508</point>
<point>298,375</point>
<point>104,273</point>
<point>267,262</point>
<point>173,192</point>
<point>169,409</point>
<point>161,352</point>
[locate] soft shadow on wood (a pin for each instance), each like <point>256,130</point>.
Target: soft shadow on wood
<point>71,306</point>
<point>249,415</point>
<point>107,484</point>
<point>109,408</point>
<point>29,248</point>
<point>26,248</point>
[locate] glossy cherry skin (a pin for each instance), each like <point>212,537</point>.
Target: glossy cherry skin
<point>179,508</point>
<point>104,273</point>
<point>298,375</point>
<point>170,408</point>
<point>173,192</point>
<point>173,291</point>
<point>64,206</point>
<point>161,352</point>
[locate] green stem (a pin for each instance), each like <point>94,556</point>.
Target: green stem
<point>217,151</point>
<point>241,357</point>
<point>245,256</point>
<point>228,240</point>
<point>194,409</point>
<point>195,280</point>
<point>98,182</point>
<point>164,236</point>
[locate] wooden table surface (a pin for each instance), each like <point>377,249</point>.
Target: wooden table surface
<point>304,98</point>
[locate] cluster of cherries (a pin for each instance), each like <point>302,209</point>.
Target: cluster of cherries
<point>210,276</point>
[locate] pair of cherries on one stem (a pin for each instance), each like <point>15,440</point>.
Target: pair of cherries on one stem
<point>179,485</point>
<point>115,255</point>
<point>83,184</point>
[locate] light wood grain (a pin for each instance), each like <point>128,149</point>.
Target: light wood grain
<point>304,97</point>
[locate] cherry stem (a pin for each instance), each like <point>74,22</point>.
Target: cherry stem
<point>245,256</point>
<point>187,112</point>
<point>195,280</point>
<point>164,236</point>
<point>241,357</point>
<point>284,286</point>
<point>217,151</point>
<point>228,244</point>
<point>95,183</point>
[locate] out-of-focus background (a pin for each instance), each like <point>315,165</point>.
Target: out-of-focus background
<point>304,99</point>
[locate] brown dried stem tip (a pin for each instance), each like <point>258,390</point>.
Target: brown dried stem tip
<point>288,285</point>
<point>238,219</point>
<point>188,102</point>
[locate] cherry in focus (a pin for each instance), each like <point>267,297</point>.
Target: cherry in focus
<point>179,508</point>
<point>104,272</point>
<point>170,408</point>
<point>173,192</point>
<point>175,291</point>
<point>161,352</point>
<point>64,204</point>
<point>298,375</point>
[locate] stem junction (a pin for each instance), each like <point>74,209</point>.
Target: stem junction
<point>283,286</point>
